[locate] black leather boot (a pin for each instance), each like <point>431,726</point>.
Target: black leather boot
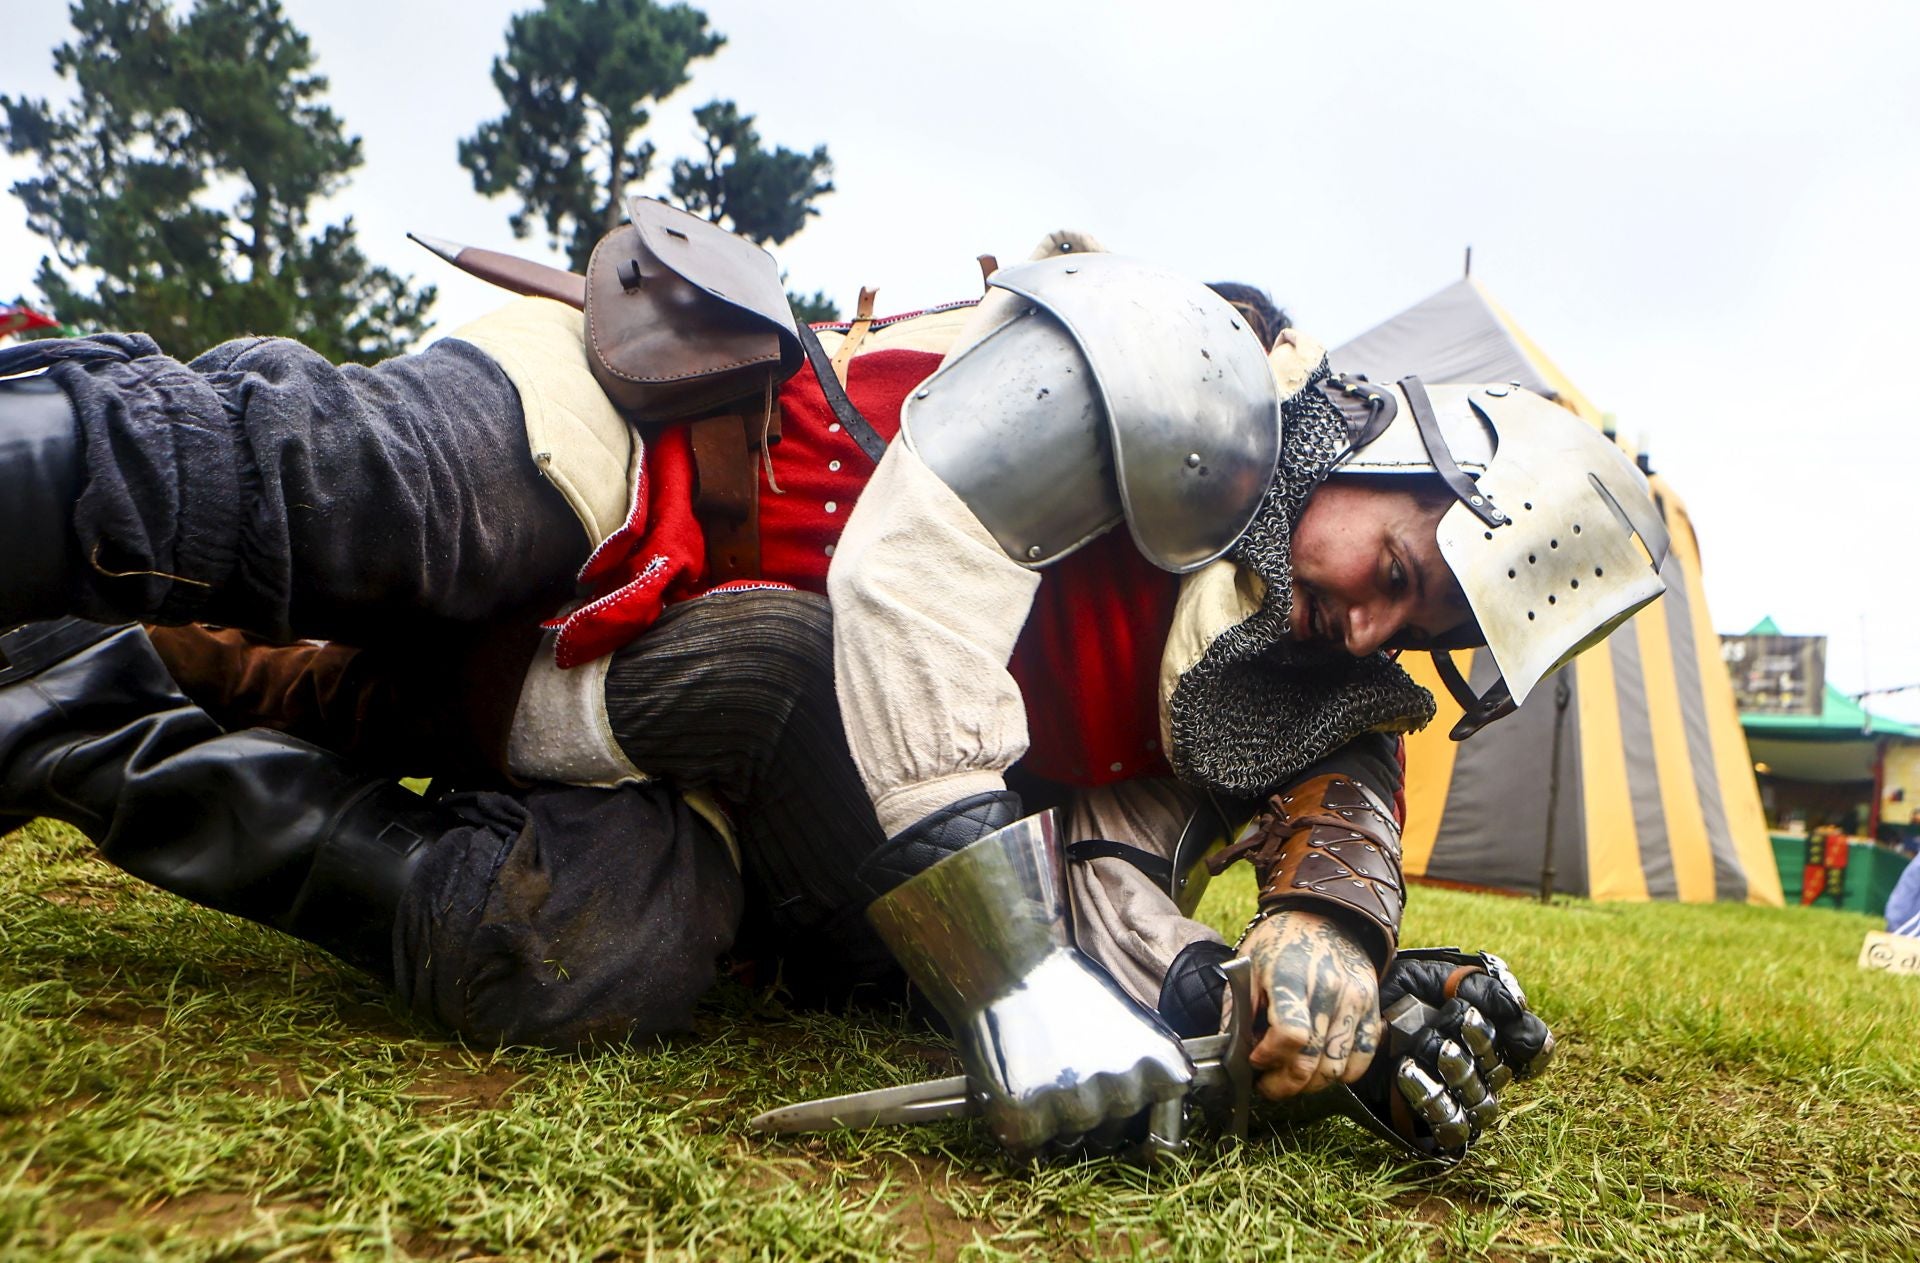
<point>39,479</point>
<point>93,731</point>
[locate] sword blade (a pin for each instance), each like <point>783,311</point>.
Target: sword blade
<point>1219,1069</point>
<point>927,1102</point>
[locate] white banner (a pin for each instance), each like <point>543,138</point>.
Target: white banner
<point>1891,953</point>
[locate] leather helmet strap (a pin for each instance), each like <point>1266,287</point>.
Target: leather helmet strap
<point>1441,456</point>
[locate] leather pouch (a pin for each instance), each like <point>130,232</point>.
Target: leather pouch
<point>684,317</point>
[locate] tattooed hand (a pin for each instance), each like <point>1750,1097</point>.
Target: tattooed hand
<point>1317,989</point>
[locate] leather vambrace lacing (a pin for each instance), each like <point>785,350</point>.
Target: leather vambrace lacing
<point>1324,845</point>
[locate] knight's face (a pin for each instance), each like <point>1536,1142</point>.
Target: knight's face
<point>1367,572</point>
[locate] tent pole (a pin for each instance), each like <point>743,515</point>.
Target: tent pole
<point>1562,694</point>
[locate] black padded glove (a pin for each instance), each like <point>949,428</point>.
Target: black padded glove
<point>1459,1031</point>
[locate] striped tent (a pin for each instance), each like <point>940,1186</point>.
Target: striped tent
<point>1625,776</point>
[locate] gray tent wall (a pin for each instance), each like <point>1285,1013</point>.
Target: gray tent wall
<point>1676,781</point>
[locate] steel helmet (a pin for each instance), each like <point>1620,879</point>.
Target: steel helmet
<point>1542,537</point>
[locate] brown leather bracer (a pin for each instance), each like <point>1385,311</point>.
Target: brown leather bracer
<point>1324,844</point>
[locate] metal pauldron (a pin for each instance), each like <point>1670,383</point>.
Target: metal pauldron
<point>1325,842</point>
<point>1117,390</point>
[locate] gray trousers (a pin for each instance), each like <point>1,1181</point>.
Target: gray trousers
<point>397,508</point>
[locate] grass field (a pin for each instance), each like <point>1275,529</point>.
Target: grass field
<point>176,1084</point>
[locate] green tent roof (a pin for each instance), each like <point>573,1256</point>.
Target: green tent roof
<point>1840,718</point>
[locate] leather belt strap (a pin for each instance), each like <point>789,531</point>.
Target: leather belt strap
<point>849,416</point>
<point>1157,867</point>
<point>727,498</point>
<point>856,334</point>
<point>1441,455</point>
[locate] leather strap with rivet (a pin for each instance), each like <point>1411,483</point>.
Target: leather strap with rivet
<point>1325,846</point>
<point>858,428</point>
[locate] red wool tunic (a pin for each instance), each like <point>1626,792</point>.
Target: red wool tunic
<point>1087,661</point>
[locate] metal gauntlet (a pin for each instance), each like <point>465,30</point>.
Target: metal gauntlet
<point>1055,1051</point>
<point>1322,845</point>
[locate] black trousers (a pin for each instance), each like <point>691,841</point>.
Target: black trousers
<point>260,487</point>
<point>564,916</point>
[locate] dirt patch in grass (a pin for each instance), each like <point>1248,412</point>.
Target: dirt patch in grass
<point>929,1226</point>
<point>210,1214</point>
<point>286,1083</point>
<point>120,1020</point>
<point>455,1087</point>
<point>76,895</point>
<point>203,1212</point>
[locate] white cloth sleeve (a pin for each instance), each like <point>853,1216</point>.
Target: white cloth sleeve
<point>926,609</point>
<point>1121,917</point>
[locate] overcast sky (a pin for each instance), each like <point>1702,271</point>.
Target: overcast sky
<point>1706,214</point>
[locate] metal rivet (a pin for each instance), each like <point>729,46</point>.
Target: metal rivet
<point>829,550</point>
<point>1193,459</point>
<point>833,428</point>
<point>1475,500</point>
<point>1066,245</point>
<point>1497,391</point>
<point>1113,767</point>
<point>833,506</point>
<point>833,466</point>
<point>1034,551</point>
<point>1070,271</point>
<point>921,394</point>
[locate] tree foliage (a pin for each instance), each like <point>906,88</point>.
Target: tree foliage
<point>764,195</point>
<point>576,79</point>
<point>176,188</point>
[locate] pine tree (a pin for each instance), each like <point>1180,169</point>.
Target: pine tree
<point>764,195</point>
<point>576,79</point>
<point>176,187</point>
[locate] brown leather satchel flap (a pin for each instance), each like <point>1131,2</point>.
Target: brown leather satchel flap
<point>683,316</point>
